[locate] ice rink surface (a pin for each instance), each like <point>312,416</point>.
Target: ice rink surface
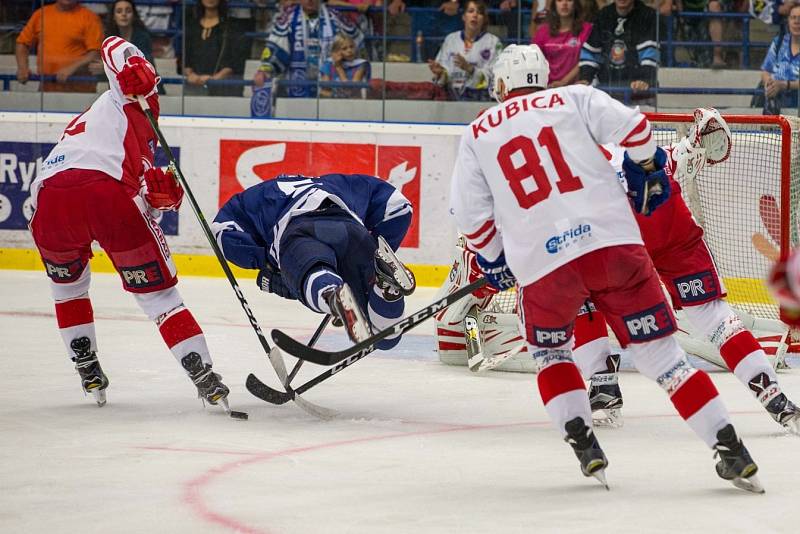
<point>419,447</point>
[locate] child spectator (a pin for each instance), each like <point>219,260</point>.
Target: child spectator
<point>299,43</point>
<point>780,71</point>
<point>464,62</point>
<point>366,22</point>
<point>343,66</point>
<point>621,50</point>
<point>68,37</point>
<point>213,50</point>
<point>561,40</point>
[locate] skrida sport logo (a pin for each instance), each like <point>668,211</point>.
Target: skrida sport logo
<point>568,238</point>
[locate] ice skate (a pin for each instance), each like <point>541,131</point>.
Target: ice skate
<point>209,384</point>
<point>93,379</point>
<point>583,441</point>
<point>779,407</point>
<point>344,307</point>
<point>785,412</point>
<point>605,396</point>
<point>735,463</point>
<point>392,277</point>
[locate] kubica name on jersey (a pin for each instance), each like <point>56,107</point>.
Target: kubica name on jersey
<point>567,238</point>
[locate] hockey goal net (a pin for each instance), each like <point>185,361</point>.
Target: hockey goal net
<point>747,205</point>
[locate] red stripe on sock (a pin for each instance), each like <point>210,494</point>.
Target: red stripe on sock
<point>738,348</point>
<point>74,312</point>
<point>587,330</point>
<point>557,379</point>
<point>179,327</point>
<point>694,394</point>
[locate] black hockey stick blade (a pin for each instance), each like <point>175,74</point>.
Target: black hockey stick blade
<point>259,389</point>
<point>358,351</point>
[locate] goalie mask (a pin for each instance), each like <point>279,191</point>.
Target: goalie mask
<point>519,66</point>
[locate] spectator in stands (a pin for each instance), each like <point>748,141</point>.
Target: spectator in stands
<point>780,71</point>
<point>691,28</point>
<point>299,43</point>
<point>367,23</point>
<point>68,37</point>
<point>561,40</point>
<point>621,50</point>
<point>344,66</point>
<point>214,50</point>
<point>716,27</point>
<point>464,62</point>
<point>518,24</point>
<point>432,25</point>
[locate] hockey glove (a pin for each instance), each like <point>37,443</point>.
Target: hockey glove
<point>271,281</point>
<point>163,192</point>
<point>647,189</point>
<point>137,77</point>
<point>496,272</point>
<point>475,273</point>
<point>782,291</point>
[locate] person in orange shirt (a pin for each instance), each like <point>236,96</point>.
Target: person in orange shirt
<point>68,36</point>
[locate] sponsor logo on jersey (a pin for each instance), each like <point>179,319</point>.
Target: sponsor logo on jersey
<point>142,276</point>
<point>699,287</point>
<point>63,272</point>
<point>551,337</point>
<point>652,323</point>
<point>55,161</point>
<point>568,238</point>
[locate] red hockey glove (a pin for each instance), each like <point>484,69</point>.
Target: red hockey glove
<point>475,273</point>
<point>137,77</point>
<point>163,190</point>
<point>782,291</point>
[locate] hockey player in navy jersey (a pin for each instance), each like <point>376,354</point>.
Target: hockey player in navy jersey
<point>327,241</point>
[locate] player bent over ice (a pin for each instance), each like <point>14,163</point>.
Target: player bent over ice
<point>327,241</point>
<point>99,184</point>
<point>674,241</point>
<point>534,196</point>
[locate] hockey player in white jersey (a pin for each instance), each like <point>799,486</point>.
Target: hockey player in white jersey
<point>99,184</point>
<point>538,202</point>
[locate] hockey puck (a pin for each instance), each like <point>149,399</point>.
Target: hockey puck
<point>239,415</point>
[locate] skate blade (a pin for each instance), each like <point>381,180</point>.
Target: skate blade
<point>600,475</point>
<point>404,277</point>
<point>751,484</point>
<point>99,396</point>
<point>793,426</point>
<point>610,418</point>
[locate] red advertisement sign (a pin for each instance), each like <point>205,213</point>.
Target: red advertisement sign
<point>246,163</point>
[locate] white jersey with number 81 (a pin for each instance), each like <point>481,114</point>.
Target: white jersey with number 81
<point>531,181</point>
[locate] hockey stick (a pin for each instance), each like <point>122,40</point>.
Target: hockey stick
<point>259,389</point>
<point>203,224</point>
<point>358,351</point>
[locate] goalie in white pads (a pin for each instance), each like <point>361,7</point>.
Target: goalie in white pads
<point>674,241</point>
<point>536,199</point>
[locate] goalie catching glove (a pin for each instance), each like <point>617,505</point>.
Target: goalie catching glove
<point>161,190</point>
<point>648,181</point>
<point>497,272</point>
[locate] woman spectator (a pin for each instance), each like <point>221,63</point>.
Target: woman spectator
<point>561,40</point>
<point>465,59</point>
<point>780,71</point>
<point>213,50</point>
<point>343,66</point>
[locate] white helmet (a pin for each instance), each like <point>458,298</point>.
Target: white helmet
<point>519,66</point>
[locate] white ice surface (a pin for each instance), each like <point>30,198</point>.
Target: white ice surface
<point>420,447</point>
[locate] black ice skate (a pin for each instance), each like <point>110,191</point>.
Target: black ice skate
<point>209,384</point>
<point>391,275</point>
<point>735,463</point>
<point>344,307</point>
<point>93,379</point>
<point>784,411</point>
<point>605,397</point>
<point>583,441</point>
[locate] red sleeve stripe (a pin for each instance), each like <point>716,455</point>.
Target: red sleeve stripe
<point>109,46</point>
<point>487,240</point>
<point>632,144</point>
<point>642,128</point>
<point>484,227</point>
